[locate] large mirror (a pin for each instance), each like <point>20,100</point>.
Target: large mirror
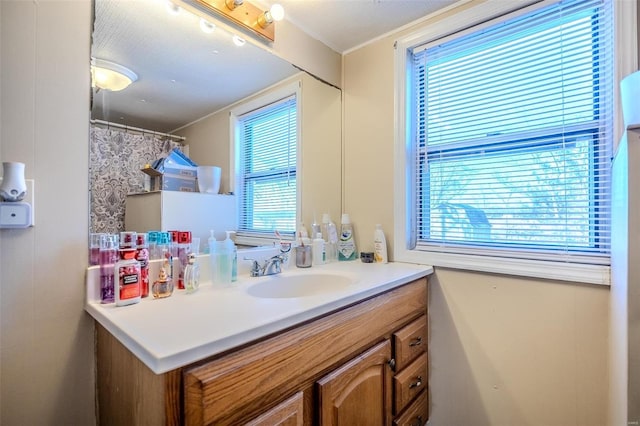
<point>186,74</point>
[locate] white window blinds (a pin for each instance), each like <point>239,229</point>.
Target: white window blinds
<point>513,136</point>
<point>267,187</point>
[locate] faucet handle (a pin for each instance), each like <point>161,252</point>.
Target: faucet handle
<point>255,267</point>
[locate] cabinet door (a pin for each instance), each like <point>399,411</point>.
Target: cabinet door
<point>359,392</point>
<point>288,413</point>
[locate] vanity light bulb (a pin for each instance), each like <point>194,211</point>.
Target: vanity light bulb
<point>206,26</point>
<point>238,41</point>
<point>277,12</point>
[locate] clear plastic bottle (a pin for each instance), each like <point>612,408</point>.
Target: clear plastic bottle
<point>192,274</point>
<point>330,237</point>
<point>94,248</point>
<point>315,227</point>
<point>221,261</point>
<point>142,256</point>
<point>108,258</point>
<point>164,251</point>
<point>347,243</point>
<point>184,248</point>
<point>233,250</point>
<point>152,240</point>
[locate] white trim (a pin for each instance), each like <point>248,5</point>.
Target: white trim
<point>402,242</point>
<point>575,272</point>
<point>404,27</point>
<point>626,54</point>
<point>294,88</point>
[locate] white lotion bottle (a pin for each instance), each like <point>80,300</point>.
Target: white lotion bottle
<point>317,250</point>
<point>379,246</point>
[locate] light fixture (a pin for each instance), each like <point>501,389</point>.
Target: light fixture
<point>110,76</point>
<point>206,26</point>
<point>238,41</point>
<point>275,13</point>
<point>232,4</point>
<point>248,17</point>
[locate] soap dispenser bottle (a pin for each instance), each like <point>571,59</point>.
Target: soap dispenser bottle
<point>232,249</point>
<point>347,243</point>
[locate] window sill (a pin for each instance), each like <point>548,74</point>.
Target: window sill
<point>573,272</point>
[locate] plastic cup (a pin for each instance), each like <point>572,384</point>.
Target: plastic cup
<point>209,179</point>
<point>303,256</point>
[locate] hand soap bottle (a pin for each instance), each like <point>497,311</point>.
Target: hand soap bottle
<point>347,243</point>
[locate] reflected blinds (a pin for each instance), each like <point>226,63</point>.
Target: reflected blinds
<point>513,136</point>
<point>268,169</point>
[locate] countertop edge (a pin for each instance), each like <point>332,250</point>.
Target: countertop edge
<point>161,365</point>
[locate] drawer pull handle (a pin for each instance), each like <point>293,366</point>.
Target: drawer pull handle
<point>418,421</point>
<point>416,342</point>
<point>417,383</point>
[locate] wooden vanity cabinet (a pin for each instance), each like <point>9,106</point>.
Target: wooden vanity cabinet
<point>326,371</point>
<point>359,392</point>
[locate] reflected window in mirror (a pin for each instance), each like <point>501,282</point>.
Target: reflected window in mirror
<point>267,170</point>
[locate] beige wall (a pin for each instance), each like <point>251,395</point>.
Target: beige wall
<point>46,339</point>
<point>504,350</point>
<point>321,143</point>
<point>542,344</point>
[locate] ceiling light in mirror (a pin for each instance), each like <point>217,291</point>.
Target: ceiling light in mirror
<point>110,76</point>
<point>206,26</point>
<point>238,41</point>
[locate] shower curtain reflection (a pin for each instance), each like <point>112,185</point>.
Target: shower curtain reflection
<point>116,157</point>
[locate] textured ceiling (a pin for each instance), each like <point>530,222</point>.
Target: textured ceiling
<point>185,74</point>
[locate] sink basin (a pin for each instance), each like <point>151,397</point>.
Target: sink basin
<point>303,285</point>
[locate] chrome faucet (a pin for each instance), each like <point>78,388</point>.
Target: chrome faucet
<point>270,266</point>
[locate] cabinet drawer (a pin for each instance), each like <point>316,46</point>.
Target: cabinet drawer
<point>410,341</point>
<point>417,413</point>
<point>409,382</point>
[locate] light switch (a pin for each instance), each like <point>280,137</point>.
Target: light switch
<point>15,215</point>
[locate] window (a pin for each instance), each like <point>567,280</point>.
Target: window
<point>267,169</point>
<point>511,137</point>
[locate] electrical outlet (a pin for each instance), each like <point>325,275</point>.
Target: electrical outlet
<point>29,198</point>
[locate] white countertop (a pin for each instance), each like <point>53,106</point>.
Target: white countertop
<point>170,333</point>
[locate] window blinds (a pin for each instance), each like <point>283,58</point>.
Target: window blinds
<point>268,169</point>
<point>513,136</point>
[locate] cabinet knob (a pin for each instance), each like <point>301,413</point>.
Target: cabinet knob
<point>416,342</point>
<point>417,383</point>
<point>418,421</point>
<point>392,364</point>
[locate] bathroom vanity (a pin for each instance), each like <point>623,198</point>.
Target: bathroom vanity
<point>355,354</point>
